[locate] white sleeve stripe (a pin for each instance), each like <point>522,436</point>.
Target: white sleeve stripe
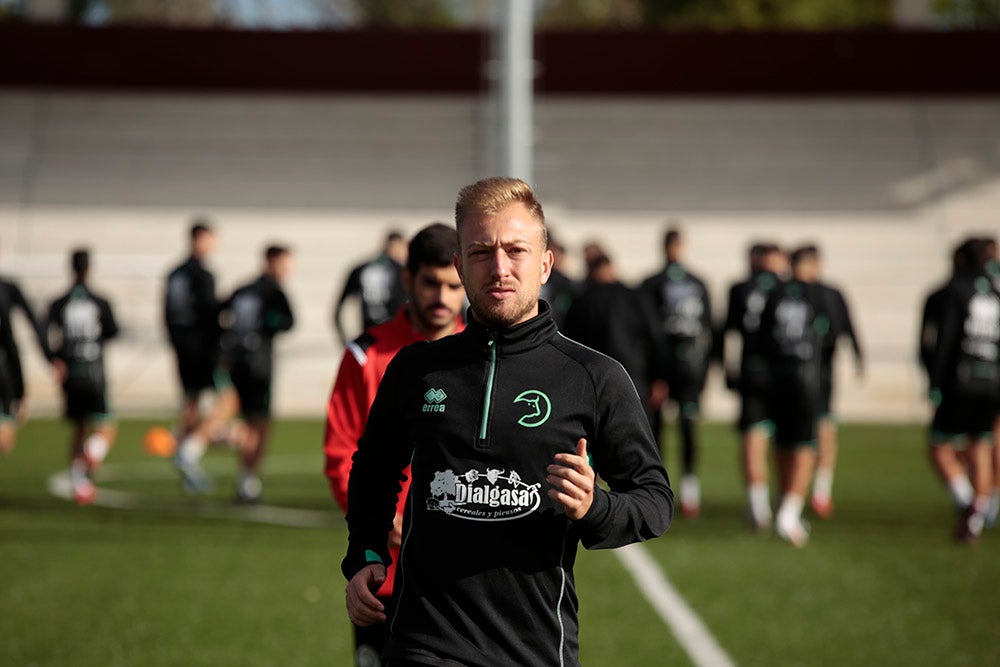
<point>358,353</point>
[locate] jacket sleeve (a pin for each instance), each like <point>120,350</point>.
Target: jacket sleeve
<point>638,504</point>
<point>707,321</point>
<point>653,330</point>
<point>949,335</point>
<point>377,473</point>
<point>733,322</point>
<point>346,413</point>
<point>279,315</point>
<point>848,328</point>
<point>109,327</point>
<point>928,332</point>
<point>50,323</point>
<point>36,324</point>
<point>351,288</point>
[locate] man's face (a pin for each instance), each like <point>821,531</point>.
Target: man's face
<point>396,250</point>
<point>503,263</point>
<point>776,262</point>
<point>436,299</point>
<point>204,244</point>
<point>807,270</point>
<point>675,251</point>
<point>281,266</point>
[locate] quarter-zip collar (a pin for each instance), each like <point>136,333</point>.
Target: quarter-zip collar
<point>517,339</point>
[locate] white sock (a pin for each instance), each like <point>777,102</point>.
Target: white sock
<point>961,491</point>
<point>823,484</point>
<point>790,512</point>
<point>759,501</point>
<point>96,447</point>
<point>690,490</point>
<point>78,471</point>
<point>192,448</point>
<point>981,504</point>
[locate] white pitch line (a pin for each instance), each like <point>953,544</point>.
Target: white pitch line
<point>696,640</point>
<point>59,486</point>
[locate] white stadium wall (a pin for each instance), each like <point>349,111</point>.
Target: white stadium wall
<point>884,186</point>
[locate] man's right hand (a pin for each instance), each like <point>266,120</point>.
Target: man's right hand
<point>363,607</point>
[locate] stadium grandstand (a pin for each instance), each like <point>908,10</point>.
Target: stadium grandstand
<point>880,147</point>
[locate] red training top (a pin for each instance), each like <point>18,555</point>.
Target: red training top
<point>361,371</point>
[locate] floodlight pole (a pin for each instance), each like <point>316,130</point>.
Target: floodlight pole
<point>516,84</point>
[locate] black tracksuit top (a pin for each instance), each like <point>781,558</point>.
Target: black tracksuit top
<point>486,568</point>
<point>966,359</point>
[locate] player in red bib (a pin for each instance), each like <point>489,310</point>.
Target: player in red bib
<point>436,298</point>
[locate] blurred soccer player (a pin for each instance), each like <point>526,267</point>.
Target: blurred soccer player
<point>682,304</point>
<point>13,404</point>
<point>82,322</point>
<point>611,318</point>
<point>252,316</point>
<point>947,461</point>
<point>432,312</point>
<point>993,271</point>
<point>378,284</point>
<point>965,377</point>
<point>191,314</point>
<point>792,325</point>
<point>560,291</point>
<point>841,325</point>
<point>746,305</point>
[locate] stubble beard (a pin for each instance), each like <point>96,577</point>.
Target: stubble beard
<point>503,314</point>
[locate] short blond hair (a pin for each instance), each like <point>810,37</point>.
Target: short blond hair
<point>489,196</point>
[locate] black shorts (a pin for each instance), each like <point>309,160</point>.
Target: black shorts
<point>8,408</point>
<point>795,415</point>
<point>685,384</point>
<point>254,393</point>
<point>86,399</point>
<point>197,369</point>
<point>754,411</point>
<point>960,415</point>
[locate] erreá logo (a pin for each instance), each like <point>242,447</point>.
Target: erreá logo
<point>483,496</point>
<point>435,400</point>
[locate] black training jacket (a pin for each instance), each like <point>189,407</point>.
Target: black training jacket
<point>255,314</point>
<point>11,375</point>
<point>747,300</point>
<point>486,567</point>
<point>191,309</point>
<point>685,309</point>
<point>967,356</point>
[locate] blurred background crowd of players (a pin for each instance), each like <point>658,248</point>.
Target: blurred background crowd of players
<point>774,340</point>
<point>114,159</point>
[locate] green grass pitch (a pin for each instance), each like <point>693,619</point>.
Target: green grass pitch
<point>881,583</point>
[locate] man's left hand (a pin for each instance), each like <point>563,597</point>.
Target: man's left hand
<point>572,481</point>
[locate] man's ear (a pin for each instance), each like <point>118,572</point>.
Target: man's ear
<point>548,259</point>
<point>458,266</point>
